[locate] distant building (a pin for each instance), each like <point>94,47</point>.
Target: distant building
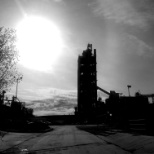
<point>87,82</point>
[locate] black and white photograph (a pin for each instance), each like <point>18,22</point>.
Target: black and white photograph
<point>76,77</point>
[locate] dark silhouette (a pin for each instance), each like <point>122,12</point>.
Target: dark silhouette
<point>87,83</point>
<point>15,116</point>
<point>130,113</point>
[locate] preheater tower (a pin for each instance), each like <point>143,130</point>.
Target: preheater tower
<point>87,82</point>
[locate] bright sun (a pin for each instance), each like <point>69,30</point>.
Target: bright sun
<point>39,43</point>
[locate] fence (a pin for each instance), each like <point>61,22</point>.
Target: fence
<point>138,125</point>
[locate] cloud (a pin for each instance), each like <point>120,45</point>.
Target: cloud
<point>43,112</point>
<point>50,100</point>
<point>48,1</point>
<point>123,11</point>
<point>141,47</point>
<point>58,0</point>
<point>56,105</point>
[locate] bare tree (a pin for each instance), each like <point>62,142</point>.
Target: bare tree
<point>8,58</point>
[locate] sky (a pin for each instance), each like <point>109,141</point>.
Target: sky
<point>120,30</point>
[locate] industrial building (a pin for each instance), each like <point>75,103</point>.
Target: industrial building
<point>126,112</point>
<point>87,82</point>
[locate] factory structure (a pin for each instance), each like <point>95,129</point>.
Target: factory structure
<point>124,110</point>
<point>88,105</point>
<point>87,82</point>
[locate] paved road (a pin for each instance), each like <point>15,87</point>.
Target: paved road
<point>63,140</point>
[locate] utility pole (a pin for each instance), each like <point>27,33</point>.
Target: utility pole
<point>129,86</point>
<point>18,79</point>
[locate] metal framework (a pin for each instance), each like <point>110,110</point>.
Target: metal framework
<point>87,82</point>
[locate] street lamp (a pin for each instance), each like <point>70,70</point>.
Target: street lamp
<point>129,86</point>
<point>18,79</point>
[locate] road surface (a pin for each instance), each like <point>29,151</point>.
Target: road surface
<point>62,140</point>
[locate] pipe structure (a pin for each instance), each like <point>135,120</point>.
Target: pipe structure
<point>106,92</point>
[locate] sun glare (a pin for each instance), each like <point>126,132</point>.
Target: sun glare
<point>39,43</point>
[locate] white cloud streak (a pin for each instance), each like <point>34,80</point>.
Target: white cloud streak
<point>121,11</point>
<point>142,48</point>
<point>58,0</point>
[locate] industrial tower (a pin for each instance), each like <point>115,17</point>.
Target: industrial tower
<point>87,82</point>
